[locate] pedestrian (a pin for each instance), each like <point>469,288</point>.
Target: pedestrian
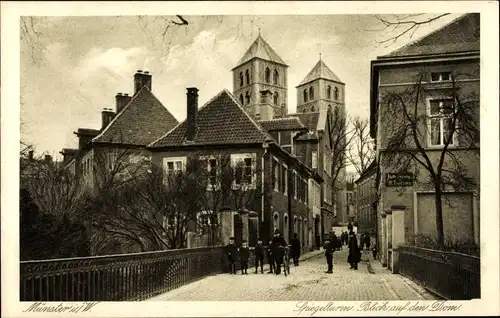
<point>350,228</point>
<point>344,240</point>
<point>244,254</point>
<point>259,256</point>
<point>362,241</point>
<point>278,246</point>
<point>295,243</point>
<point>335,241</point>
<point>354,256</point>
<point>232,254</point>
<point>270,257</point>
<point>328,248</point>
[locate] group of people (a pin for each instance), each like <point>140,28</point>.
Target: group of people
<point>333,243</point>
<point>275,252</point>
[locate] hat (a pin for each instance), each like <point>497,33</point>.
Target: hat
<point>231,238</point>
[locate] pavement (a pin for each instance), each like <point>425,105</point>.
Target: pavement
<point>306,282</point>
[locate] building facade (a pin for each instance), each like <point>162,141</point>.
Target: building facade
<point>366,200</point>
<point>444,69</point>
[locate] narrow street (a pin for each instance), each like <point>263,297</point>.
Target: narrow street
<point>308,281</point>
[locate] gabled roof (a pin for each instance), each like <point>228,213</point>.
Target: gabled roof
<point>141,121</point>
<point>260,49</point>
<point>314,121</point>
<point>221,121</point>
<point>320,70</point>
<point>460,35</point>
<point>281,124</point>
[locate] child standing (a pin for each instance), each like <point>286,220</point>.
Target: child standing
<point>259,256</point>
<point>231,252</point>
<point>328,247</point>
<point>244,255</point>
<point>270,257</point>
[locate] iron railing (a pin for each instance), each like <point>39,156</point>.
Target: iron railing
<point>127,277</point>
<point>449,275</point>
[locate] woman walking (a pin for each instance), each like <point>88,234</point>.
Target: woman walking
<point>354,252</point>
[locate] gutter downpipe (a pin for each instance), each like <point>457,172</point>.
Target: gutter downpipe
<point>265,146</point>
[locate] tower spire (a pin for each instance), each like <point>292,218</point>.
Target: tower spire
<point>259,31</point>
<point>320,56</point>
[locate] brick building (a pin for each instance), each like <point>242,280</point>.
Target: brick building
<point>446,63</point>
<point>137,121</point>
<point>365,198</point>
<point>223,128</point>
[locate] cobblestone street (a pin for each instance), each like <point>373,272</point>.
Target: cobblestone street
<point>308,281</point>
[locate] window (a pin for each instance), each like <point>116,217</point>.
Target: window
<point>276,78</point>
<point>241,79</point>
<point>314,162</point>
<point>247,76</point>
<point>305,95</point>
<point>173,166</point>
<point>276,96</point>
<point>244,167</point>
<point>268,75</point>
<point>312,108</point>
<point>440,121</point>
<point>336,93</point>
<point>241,99</point>
<point>276,220</point>
<point>441,77</point>
<point>247,97</point>
<point>212,171</point>
<point>311,93</point>
<point>285,180</point>
<point>336,112</point>
<point>294,184</point>
<point>329,92</point>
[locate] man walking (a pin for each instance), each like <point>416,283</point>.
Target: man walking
<point>328,247</point>
<point>295,243</point>
<point>232,254</point>
<point>354,256</point>
<point>278,248</point>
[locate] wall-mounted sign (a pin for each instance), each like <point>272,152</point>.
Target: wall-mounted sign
<point>399,179</point>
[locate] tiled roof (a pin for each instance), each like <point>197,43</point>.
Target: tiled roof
<point>320,70</point>
<point>221,121</point>
<point>286,123</point>
<point>461,35</point>
<point>260,49</point>
<point>310,120</point>
<point>142,120</point>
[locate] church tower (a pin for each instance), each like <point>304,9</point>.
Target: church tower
<point>320,90</point>
<point>260,81</point>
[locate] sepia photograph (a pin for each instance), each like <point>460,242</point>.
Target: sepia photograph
<point>320,158</point>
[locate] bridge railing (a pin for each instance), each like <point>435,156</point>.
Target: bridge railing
<point>450,275</point>
<point>117,277</point>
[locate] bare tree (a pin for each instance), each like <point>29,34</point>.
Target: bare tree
<point>405,25</point>
<point>449,124</point>
<point>361,150</point>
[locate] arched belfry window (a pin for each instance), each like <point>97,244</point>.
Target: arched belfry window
<point>276,77</point>
<point>336,93</point>
<point>247,75</point>
<point>276,97</point>
<point>241,99</point>
<point>268,75</point>
<point>241,78</point>
<point>336,112</point>
<point>247,97</point>
<point>312,108</point>
<point>311,93</point>
<point>305,95</point>
<point>329,92</point>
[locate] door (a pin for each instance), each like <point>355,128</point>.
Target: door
<point>238,229</point>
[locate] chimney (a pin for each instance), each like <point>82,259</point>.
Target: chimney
<point>192,112</point>
<point>48,158</point>
<point>107,115</point>
<point>121,101</point>
<point>266,97</point>
<point>142,79</point>
<point>266,109</point>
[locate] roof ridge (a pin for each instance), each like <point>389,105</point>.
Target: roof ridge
<point>424,36</point>
<point>120,113</point>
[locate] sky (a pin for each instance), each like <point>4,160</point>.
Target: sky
<point>72,67</point>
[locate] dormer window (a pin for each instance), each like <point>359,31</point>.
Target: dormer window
<point>329,92</point>
<point>336,93</point>
<point>247,75</point>
<point>305,95</point>
<point>268,75</point>
<point>441,77</point>
<point>276,77</point>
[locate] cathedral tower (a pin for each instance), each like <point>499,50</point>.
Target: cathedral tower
<point>321,89</point>
<point>260,81</point>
